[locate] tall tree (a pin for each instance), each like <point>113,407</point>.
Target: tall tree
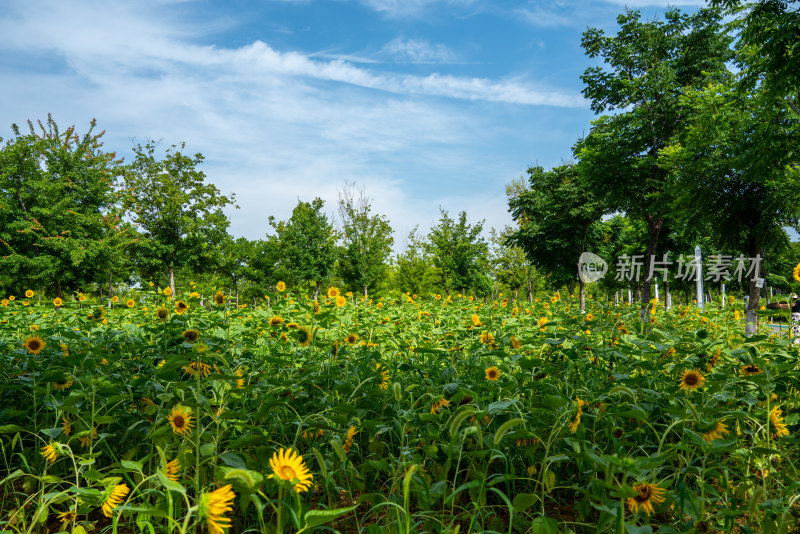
<point>307,243</point>
<point>59,213</point>
<point>557,218</point>
<point>457,249</point>
<point>724,182</point>
<point>650,64</point>
<point>412,269</point>
<point>511,267</point>
<point>178,213</point>
<point>367,239</point>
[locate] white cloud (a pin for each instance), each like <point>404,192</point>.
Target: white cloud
<point>418,51</point>
<point>412,8</point>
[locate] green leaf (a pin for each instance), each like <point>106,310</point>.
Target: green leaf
<point>315,518</point>
<point>523,501</point>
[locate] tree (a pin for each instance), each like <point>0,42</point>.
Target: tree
<point>511,268</point>
<point>307,243</point>
<point>769,44</point>
<point>744,199</point>
<point>179,215</point>
<point>60,223</point>
<point>650,65</point>
<point>456,250</point>
<point>557,220</point>
<point>413,270</point>
<point>367,240</point>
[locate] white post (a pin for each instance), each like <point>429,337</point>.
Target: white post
<point>656,290</point>
<point>699,262</point>
<point>630,296</point>
<point>723,294</point>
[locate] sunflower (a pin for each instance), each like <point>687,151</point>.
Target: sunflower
<point>219,298</point>
<point>34,345</point>
<point>66,427</point>
<point>340,301</point>
<point>57,302</point>
<point>647,494</point>
<point>717,432</point>
<point>181,307</point>
<point>351,338</point>
<point>333,292</point>
<point>492,373</point>
<point>113,498</point>
<point>99,313</point>
<point>50,453</point>
<point>167,292</point>
<point>61,385</point>
<point>487,338</point>
<point>348,440</point>
<point>213,506</point>
<point>796,273</point>
<point>197,367</point>
<point>751,369</point>
<point>162,313</point>
<point>691,379</point>
<point>292,325</point>
<point>515,343</point>
<point>288,465</point>
<point>438,405</point>
<point>239,381</point>
<point>542,323</point>
<point>66,517</point>
<point>130,303</point>
<point>280,286</point>
<point>589,317</point>
<point>4,302</point>
<point>29,293</point>
<point>304,336</point>
<point>276,321</point>
<point>384,383</point>
<point>171,472</point>
<point>191,335</point>
<point>180,419</point>
<point>476,321</point>
<point>778,427</point>
<point>573,425</point>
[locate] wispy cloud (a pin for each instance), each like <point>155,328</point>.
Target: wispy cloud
<point>418,51</point>
<point>412,8</point>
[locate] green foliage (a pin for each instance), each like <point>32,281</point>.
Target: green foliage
<point>413,269</point>
<point>367,241</point>
<point>178,214</point>
<point>306,243</point>
<point>60,224</point>
<point>558,219</point>
<point>457,249</point>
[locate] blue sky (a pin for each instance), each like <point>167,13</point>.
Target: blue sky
<point>423,103</point>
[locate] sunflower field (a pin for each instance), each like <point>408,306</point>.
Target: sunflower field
<point>163,413</point>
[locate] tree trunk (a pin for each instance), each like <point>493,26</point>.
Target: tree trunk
<point>110,286</point>
<point>316,291</point>
<point>530,291</point>
<point>653,229</point>
<point>172,280</point>
<point>237,295</point>
<point>365,290</point>
<point>751,317</point>
<point>58,290</point>
<point>582,291</point>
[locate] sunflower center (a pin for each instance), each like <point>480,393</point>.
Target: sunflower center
<point>34,344</point>
<point>287,473</point>
<point>690,379</point>
<point>644,494</point>
<point>178,421</point>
